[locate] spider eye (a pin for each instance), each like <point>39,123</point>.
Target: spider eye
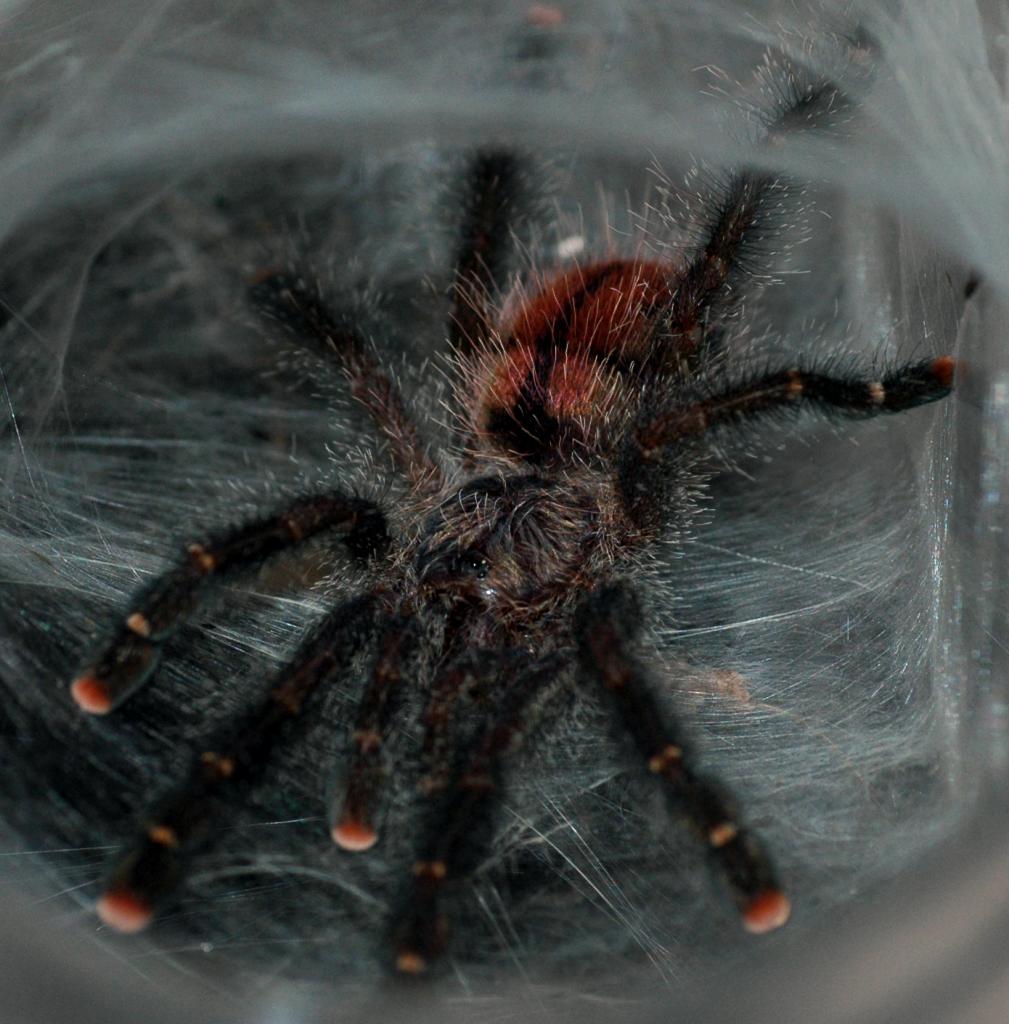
<point>470,563</point>
<point>455,564</point>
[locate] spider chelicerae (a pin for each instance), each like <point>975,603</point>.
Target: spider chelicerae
<point>584,399</point>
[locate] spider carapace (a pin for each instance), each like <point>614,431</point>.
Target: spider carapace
<point>501,589</point>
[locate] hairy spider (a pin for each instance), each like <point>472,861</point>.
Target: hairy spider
<point>585,399</point>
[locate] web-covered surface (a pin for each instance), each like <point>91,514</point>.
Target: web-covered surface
<point>806,628</point>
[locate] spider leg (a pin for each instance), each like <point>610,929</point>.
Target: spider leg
<point>493,189</point>
<point>461,671</point>
<point>294,303</point>
<point>737,223</point>
<point>776,393</point>
<point>902,388</point>
<point>173,597</point>
<point>606,626</point>
<point>461,825</point>
<point>353,826</point>
<point>457,680</point>
<point>466,666</point>
<point>494,197</point>
<point>184,820</point>
<point>495,194</point>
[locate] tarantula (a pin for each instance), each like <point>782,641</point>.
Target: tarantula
<point>583,399</point>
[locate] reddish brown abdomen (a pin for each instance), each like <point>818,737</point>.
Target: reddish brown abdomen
<point>567,356</point>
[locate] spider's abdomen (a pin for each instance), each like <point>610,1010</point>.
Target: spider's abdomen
<point>568,357</point>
